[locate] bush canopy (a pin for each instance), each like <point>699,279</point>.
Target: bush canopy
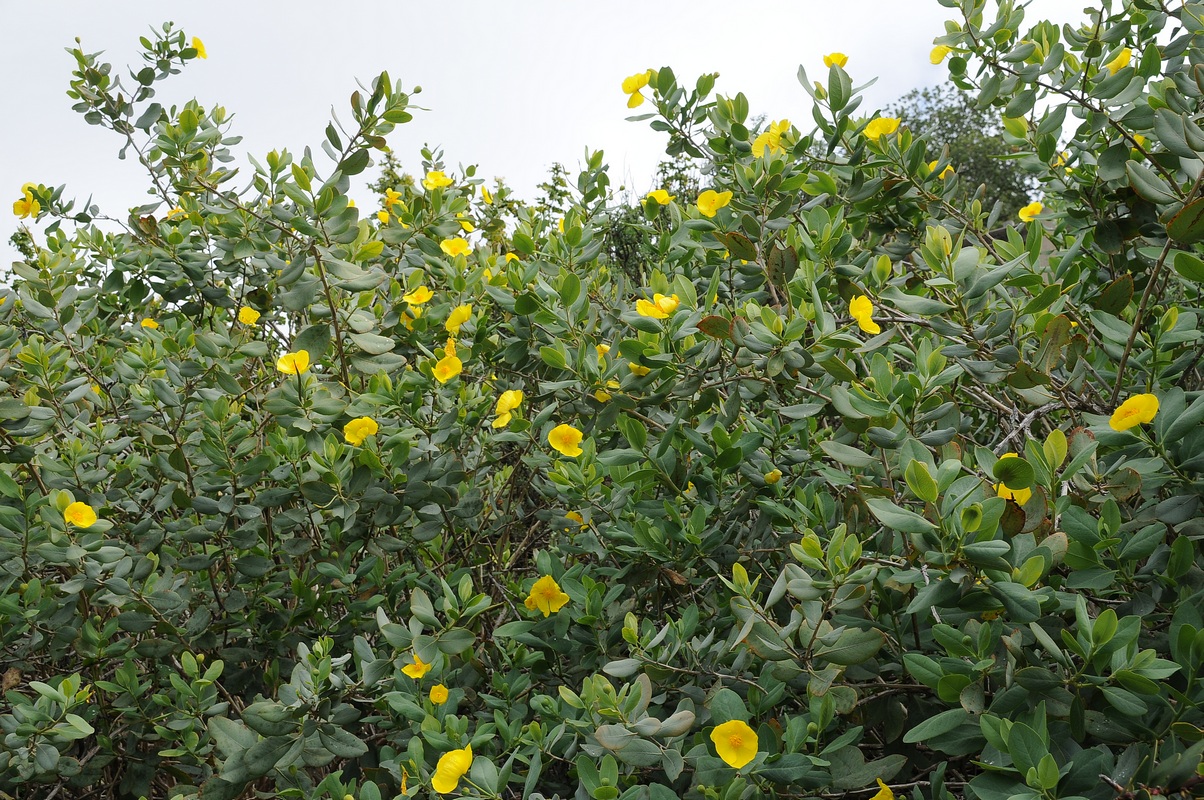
<point>842,485</point>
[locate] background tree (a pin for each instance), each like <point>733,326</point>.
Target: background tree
<point>949,118</point>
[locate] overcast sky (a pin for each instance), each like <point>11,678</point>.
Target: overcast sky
<point>512,87</point>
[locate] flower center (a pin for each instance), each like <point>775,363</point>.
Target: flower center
<point>736,741</point>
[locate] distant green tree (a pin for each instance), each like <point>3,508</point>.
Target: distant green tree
<point>680,176</point>
<point>948,118</point>
<point>23,244</point>
<point>555,194</point>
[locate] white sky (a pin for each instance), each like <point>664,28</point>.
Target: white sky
<point>511,87</point>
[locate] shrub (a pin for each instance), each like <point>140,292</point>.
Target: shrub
<point>306,500</point>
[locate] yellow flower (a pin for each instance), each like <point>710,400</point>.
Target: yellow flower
<point>884,792</point>
<point>835,60</point>
<point>770,141</point>
<point>632,85</point>
<point>248,315</point>
<point>660,307</point>
<point>603,396</point>
<point>293,363</point>
<point>359,429</point>
<point>465,224</point>
<point>711,201</point>
<point>486,196</point>
<point>773,476</point>
<point>939,52</point>
<point>945,173</point>
<point>147,322</point>
<point>435,179</point>
<point>602,349</point>
<point>350,203</point>
<point>447,368</point>
<point>176,212</point>
<point>417,669</point>
<point>861,308</point>
<point>639,369</point>
<point>1031,211</point>
<point>575,517</point>
<point>438,694</point>
<point>661,196</point>
<point>1021,496</point>
<point>418,296</point>
<point>546,596</point>
<point>1138,138</point>
<point>735,742</point>
<point>392,198</point>
<point>560,224</point>
<point>81,515</point>
<point>199,46</point>
<point>1137,410</point>
<point>383,216</point>
<point>451,768</point>
<point>455,247</point>
<point>881,126</point>
<point>510,400</point>
<point>458,316</point>
<point>1121,61</point>
<point>566,440</point>
<point>512,257</point>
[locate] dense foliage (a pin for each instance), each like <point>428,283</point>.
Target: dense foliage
<point>951,122</point>
<point>831,493</point>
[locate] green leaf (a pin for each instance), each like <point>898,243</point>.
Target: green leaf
<point>913,304</point>
<point>1183,424</point>
<point>355,163</point>
<point>1021,604</point>
<point>920,481</point>
<point>840,87</point>
<point>849,456</point>
<point>1025,747</point>
<point>620,457</point>
<point>1147,184</point>
<point>716,327</point>
<point>220,789</point>
<point>553,357</point>
<point>570,288</point>
<point>263,756</point>
<point>315,340</point>
<point>341,743</point>
<point>372,344</point>
<point>1047,773</point>
<point>269,718</point>
<point>455,641</point>
<point>726,705</point>
<point>1014,472</point>
<point>1124,701</point>
<point>1187,227</point>
<point>1189,265</point>
<point>640,753</point>
<point>738,245</point>
<point>937,725</point>
<point>853,646</point>
<point>899,519</point>
<point>231,736</point>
